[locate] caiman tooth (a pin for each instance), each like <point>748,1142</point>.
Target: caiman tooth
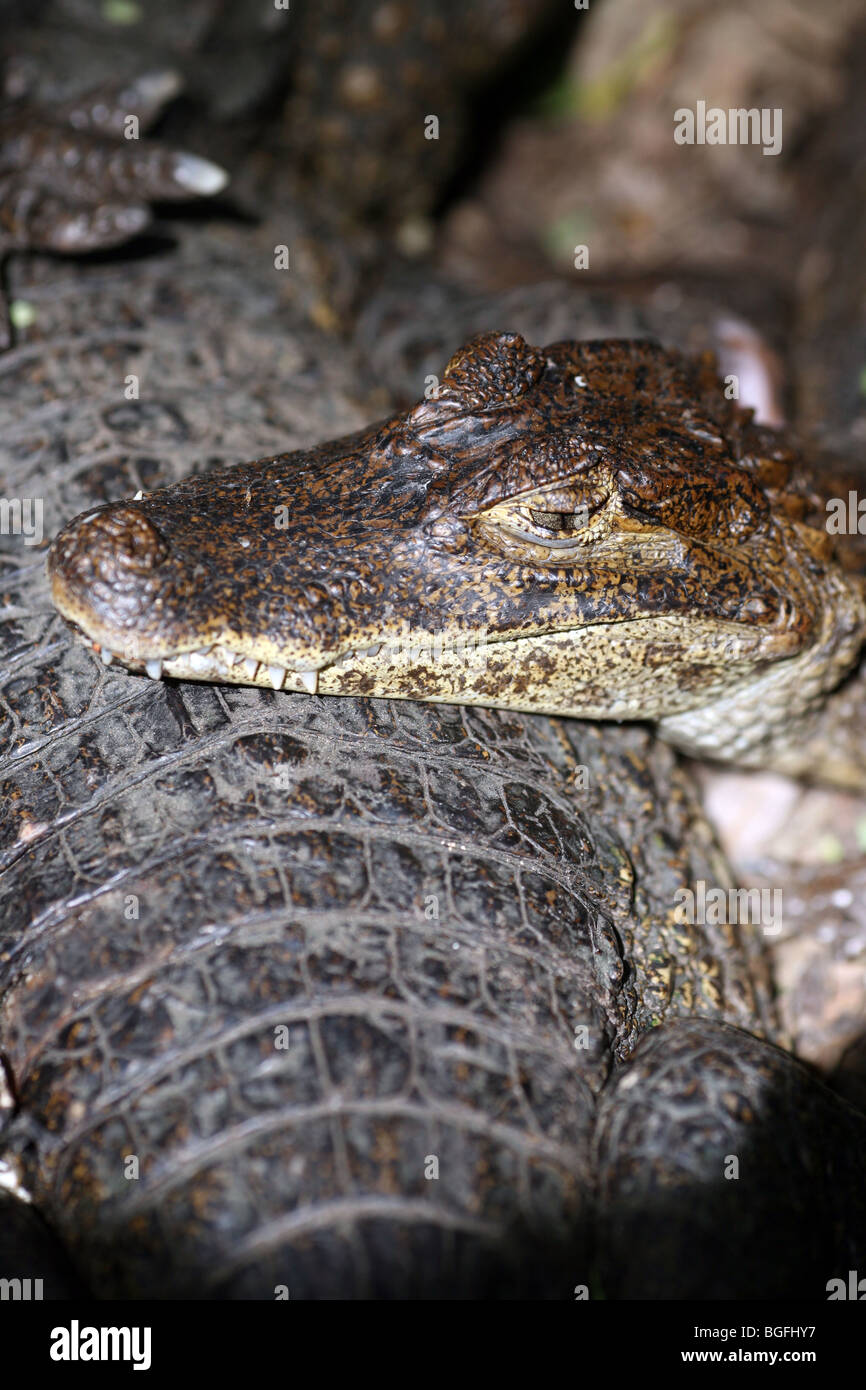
<point>374,650</point>
<point>309,680</point>
<point>153,668</point>
<point>200,661</point>
<point>106,657</point>
<point>276,676</point>
<point>251,666</point>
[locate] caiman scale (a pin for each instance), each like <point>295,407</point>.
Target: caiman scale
<point>590,529</point>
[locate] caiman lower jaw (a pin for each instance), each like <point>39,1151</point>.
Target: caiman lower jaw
<point>638,669</point>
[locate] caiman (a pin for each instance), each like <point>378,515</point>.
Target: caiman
<point>591,529</point>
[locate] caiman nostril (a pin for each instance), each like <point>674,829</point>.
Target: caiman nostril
<point>110,556</point>
<point>123,539</point>
<point>114,545</point>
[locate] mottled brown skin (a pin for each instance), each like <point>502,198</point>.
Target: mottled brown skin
<point>626,542</point>
<point>69,179</point>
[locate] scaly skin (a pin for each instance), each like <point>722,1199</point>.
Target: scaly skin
<point>589,529</point>
<point>282,852</point>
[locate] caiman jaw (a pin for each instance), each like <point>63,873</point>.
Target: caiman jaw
<point>684,610</point>
<point>482,671</point>
<point>618,669</point>
<point>216,663</point>
<point>587,529</point>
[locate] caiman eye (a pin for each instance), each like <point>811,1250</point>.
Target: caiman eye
<point>560,524</point>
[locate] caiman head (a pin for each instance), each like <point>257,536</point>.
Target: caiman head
<point>589,529</point>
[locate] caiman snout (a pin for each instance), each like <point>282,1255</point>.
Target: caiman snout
<point>109,557</point>
<point>223,577</point>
